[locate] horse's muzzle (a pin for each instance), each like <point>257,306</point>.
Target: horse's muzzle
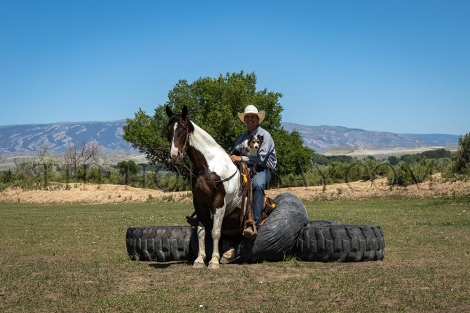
<point>176,158</point>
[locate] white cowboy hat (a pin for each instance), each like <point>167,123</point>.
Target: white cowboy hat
<point>251,109</point>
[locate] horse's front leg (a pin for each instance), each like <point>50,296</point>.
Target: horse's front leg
<point>216,233</point>
<point>201,255</point>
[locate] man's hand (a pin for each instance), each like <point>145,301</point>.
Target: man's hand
<point>235,158</point>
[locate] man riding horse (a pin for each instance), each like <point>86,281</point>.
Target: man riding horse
<point>265,160</point>
<point>217,193</point>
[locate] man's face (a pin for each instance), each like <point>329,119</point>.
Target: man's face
<point>251,121</point>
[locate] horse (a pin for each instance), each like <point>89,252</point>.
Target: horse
<point>216,188</point>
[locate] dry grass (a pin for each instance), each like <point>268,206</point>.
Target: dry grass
<point>72,258</point>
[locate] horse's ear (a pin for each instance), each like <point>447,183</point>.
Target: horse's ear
<point>169,112</point>
<point>185,112</point>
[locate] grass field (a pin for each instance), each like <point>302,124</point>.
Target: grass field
<point>73,258</point>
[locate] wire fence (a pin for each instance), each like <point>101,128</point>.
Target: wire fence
<point>176,178</point>
<point>159,176</point>
<point>382,175</point>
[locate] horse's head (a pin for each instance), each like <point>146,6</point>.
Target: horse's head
<point>179,127</point>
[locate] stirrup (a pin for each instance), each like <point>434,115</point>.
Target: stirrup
<point>250,232</point>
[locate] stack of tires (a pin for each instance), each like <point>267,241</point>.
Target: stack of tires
<point>286,232</point>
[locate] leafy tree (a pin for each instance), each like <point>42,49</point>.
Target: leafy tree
<point>291,152</point>
<point>321,159</point>
<point>341,158</point>
<point>411,158</point>
<point>46,159</point>
<point>436,154</point>
<point>123,165</point>
<point>213,104</point>
<point>393,160</point>
<point>462,158</point>
<point>325,160</point>
<point>6,176</point>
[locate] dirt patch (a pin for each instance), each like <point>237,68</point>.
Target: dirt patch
<point>92,194</point>
<point>377,189</point>
<point>100,194</point>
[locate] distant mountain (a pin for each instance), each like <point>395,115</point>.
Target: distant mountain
<point>321,138</point>
<point>437,139</point>
<point>26,139</point>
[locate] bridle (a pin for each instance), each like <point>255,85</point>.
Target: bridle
<point>186,141</point>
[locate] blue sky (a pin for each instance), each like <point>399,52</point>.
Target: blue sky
<point>396,66</point>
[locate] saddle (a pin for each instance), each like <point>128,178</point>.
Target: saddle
<point>246,220</point>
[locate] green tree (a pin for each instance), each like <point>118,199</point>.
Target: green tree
<point>291,152</point>
<point>393,160</point>
<point>6,176</point>
<point>436,154</point>
<point>123,165</point>
<point>213,104</point>
<point>411,158</point>
<point>462,158</point>
<point>321,159</point>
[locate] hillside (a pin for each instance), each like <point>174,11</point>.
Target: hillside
<point>322,138</point>
<point>26,139</point>
<point>21,140</point>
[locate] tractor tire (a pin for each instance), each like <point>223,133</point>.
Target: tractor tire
<point>345,243</point>
<point>159,243</point>
<point>277,238</point>
<point>319,223</point>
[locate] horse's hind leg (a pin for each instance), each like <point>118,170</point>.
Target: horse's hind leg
<point>201,234</point>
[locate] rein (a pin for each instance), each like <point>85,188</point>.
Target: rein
<point>218,181</point>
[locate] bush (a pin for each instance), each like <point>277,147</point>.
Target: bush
<point>462,157</point>
<point>6,176</point>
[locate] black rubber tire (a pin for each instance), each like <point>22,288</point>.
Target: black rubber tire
<point>345,243</point>
<point>159,243</point>
<point>319,223</point>
<point>277,237</point>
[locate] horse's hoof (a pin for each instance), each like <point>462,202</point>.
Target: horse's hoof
<point>224,260</point>
<point>213,266</point>
<point>198,265</point>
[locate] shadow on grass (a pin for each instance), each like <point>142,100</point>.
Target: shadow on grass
<point>162,265</point>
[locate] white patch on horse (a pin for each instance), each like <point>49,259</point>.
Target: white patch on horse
<point>218,162</point>
<point>174,149</point>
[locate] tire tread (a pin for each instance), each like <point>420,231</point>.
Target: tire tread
<point>345,243</point>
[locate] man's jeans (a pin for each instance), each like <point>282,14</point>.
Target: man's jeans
<point>259,183</point>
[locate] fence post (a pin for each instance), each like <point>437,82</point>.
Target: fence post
<point>144,168</point>
<point>85,167</point>
<point>325,177</point>
<point>46,178</point>
<point>303,175</point>
<point>67,178</point>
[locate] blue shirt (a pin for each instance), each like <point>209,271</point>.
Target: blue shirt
<point>266,154</point>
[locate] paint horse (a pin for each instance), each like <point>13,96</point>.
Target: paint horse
<point>215,180</point>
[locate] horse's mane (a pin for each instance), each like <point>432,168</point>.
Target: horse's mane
<point>208,139</point>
